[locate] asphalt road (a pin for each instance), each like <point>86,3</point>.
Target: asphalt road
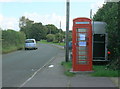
<point>20,65</point>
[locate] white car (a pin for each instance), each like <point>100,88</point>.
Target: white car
<point>30,44</point>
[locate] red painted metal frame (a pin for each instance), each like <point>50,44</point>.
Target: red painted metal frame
<point>76,66</point>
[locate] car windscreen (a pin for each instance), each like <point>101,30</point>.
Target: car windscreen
<point>29,41</point>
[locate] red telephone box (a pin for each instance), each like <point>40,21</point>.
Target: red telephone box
<point>82,44</point>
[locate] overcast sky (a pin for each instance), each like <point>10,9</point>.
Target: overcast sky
<point>44,11</point>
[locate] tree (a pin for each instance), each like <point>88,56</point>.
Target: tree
<point>25,25</point>
<point>25,22</point>
<point>38,31</point>
<point>32,30</point>
<point>22,22</point>
<point>109,13</point>
<point>58,37</point>
<point>52,29</point>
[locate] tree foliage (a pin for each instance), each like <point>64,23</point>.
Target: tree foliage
<point>50,37</point>
<point>58,37</point>
<point>25,22</point>
<point>36,30</point>
<point>52,29</point>
<point>31,29</point>
<point>109,13</point>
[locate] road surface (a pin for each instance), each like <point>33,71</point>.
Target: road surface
<point>21,65</point>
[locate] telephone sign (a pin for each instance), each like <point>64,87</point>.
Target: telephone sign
<point>82,44</point>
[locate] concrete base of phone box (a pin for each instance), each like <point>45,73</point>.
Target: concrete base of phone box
<point>81,71</point>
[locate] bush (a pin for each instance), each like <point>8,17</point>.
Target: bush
<point>50,37</point>
<point>55,41</point>
<point>58,37</point>
<point>12,40</point>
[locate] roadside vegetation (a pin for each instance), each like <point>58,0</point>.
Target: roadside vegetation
<point>38,31</point>
<point>103,71</point>
<point>12,40</point>
<point>67,67</point>
<point>50,34</point>
<point>45,42</point>
<point>109,13</point>
<point>99,70</point>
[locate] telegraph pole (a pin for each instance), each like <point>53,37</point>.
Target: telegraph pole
<point>60,24</point>
<point>91,13</point>
<point>67,30</point>
<point>60,32</point>
<point>60,27</point>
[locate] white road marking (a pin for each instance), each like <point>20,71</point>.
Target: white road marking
<point>51,66</point>
<point>36,73</point>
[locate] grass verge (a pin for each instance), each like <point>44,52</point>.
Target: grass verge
<point>67,66</point>
<point>99,70</point>
<point>10,49</point>
<point>102,71</point>
<point>45,42</point>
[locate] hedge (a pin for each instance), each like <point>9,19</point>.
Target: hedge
<point>12,40</point>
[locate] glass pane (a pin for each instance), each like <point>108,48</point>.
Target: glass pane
<point>82,43</point>
<point>81,30</point>
<point>81,36</point>
<point>82,48</point>
<point>82,53</point>
<point>78,34</point>
<point>82,62</point>
<point>82,57</point>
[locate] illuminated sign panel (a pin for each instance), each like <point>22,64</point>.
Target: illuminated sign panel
<point>82,22</point>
